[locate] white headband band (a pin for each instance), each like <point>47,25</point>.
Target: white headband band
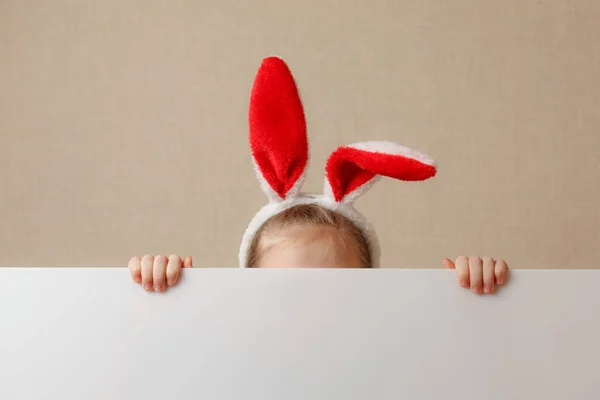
<point>279,147</point>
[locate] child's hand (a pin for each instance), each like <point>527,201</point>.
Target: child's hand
<point>482,275</point>
<point>156,273</point>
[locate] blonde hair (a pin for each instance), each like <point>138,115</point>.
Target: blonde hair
<point>311,214</point>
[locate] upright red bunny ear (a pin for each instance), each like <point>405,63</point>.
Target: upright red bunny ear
<point>352,170</point>
<point>278,130</point>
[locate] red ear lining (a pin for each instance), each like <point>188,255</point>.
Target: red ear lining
<point>277,127</point>
<point>345,176</point>
<point>349,168</point>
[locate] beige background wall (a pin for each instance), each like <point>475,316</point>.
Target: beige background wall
<point>123,125</point>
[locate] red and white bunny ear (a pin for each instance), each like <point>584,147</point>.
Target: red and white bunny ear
<point>351,170</point>
<point>278,131</point>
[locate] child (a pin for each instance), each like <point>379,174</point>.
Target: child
<point>298,230</point>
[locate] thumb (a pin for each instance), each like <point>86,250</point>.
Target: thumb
<point>449,264</point>
<point>187,263</point>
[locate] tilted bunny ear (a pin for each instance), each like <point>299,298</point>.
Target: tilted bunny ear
<point>351,170</point>
<point>277,131</point>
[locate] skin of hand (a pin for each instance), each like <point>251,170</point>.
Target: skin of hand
<point>482,275</point>
<point>157,273</point>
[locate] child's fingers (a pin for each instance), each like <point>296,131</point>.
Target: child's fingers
<point>476,274</point>
<point>187,263</point>
<point>488,275</point>
<point>147,264</point>
<point>135,268</point>
<point>448,264</point>
<point>500,272</point>
<point>159,272</point>
<point>173,269</point>
<point>462,271</point>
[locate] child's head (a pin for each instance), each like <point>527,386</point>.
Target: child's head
<point>310,236</point>
<point>296,229</point>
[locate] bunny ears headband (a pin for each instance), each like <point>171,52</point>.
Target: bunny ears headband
<point>279,146</point>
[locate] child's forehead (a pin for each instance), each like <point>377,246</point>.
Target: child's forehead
<point>303,232</point>
<point>309,245</point>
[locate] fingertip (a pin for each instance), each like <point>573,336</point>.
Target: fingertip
<point>172,279</point>
<point>475,260</point>
<point>501,272</point>
<point>135,260</point>
<point>187,263</point>
<point>448,264</point>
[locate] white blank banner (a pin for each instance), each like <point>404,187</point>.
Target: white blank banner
<point>75,334</point>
